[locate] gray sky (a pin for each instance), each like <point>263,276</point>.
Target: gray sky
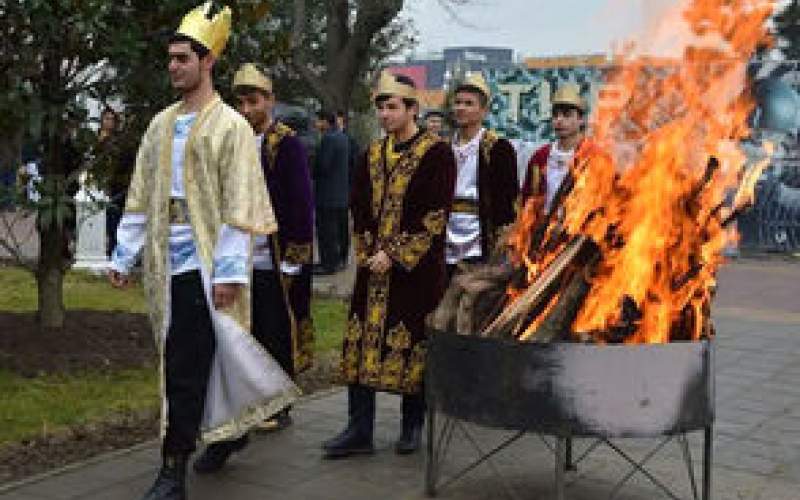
<point>534,27</point>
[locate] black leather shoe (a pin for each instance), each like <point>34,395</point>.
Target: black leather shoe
<point>410,441</point>
<point>349,442</point>
<point>170,483</point>
<point>214,457</point>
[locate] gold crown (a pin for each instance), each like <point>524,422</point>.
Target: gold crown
<point>212,33</point>
<point>389,86</point>
<point>476,80</point>
<point>570,95</point>
<point>249,76</point>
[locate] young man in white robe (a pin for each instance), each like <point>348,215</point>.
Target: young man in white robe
<point>196,201</point>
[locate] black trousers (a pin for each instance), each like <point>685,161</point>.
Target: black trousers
<point>271,323</point>
<point>189,351</point>
<point>361,409</point>
<point>333,236</point>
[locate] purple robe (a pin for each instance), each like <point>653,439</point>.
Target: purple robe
<point>286,169</point>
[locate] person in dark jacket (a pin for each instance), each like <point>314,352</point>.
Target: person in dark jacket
<point>331,189</point>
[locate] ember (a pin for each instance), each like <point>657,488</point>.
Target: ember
<point>631,252</point>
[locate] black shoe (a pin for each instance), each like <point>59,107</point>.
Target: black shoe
<point>410,441</point>
<point>277,422</point>
<point>216,454</point>
<point>170,483</point>
<point>349,442</point>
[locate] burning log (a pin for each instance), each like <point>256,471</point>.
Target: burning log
<point>556,325</point>
<point>538,294</point>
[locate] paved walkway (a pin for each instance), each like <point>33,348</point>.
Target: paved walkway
<point>757,443</point>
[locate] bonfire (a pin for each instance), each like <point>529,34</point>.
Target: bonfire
<point>630,250</point>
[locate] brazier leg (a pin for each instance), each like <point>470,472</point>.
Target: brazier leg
<point>561,462</point>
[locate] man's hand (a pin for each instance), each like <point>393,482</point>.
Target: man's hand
<point>117,279</point>
<point>380,262</point>
<point>225,294</point>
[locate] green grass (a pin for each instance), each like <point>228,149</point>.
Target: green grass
<point>42,405</point>
<point>330,317</point>
<point>81,291</point>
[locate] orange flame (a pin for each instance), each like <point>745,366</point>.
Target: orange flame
<point>657,212</point>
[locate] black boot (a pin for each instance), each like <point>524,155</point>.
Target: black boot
<point>170,483</point>
<point>216,454</point>
<point>410,440</point>
<point>413,417</point>
<point>356,439</point>
<point>349,442</point>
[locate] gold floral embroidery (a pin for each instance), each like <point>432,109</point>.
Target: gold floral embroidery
<point>352,354</point>
<point>416,368</point>
<point>363,247</point>
<point>273,138</point>
<point>435,222</point>
<point>398,339</point>
<point>304,355</point>
<point>297,253</point>
<point>407,249</point>
<point>376,175</point>
<point>377,297</point>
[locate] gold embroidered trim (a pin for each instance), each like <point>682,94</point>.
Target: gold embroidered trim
<point>416,368</point>
<point>398,339</point>
<point>364,243</point>
<point>351,356</point>
<point>463,206</point>
<point>488,140</point>
<point>273,138</point>
<point>297,253</point>
<point>377,298</point>
<point>401,370</point>
<point>407,249</point>
<point>304,355</point>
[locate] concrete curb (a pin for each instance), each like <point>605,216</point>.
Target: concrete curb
<point>15,485</point>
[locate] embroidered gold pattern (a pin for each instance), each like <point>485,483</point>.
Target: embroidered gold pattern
<point>273,138</point>
<point>408,249</point>
<point>488,141</point>
<point>350,359</point>
<point>364,243</point>
<point>376,174</point>
<point>398,339</point>
<point>416,367</point>
<point>304,355</point>
<point>298,253</point>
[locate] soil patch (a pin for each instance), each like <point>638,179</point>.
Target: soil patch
<point>89,341</point>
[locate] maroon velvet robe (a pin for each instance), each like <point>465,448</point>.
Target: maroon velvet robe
<point>399,205</point>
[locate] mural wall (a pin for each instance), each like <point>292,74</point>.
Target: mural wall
<point>520,110</point>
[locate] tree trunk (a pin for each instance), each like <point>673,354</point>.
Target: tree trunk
<point>50,279</point>
<point>53,235</point>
